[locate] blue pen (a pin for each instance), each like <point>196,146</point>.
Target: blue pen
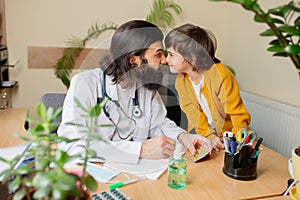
<point>232,143</point>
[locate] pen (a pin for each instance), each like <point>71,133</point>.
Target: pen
<point>226,144</point>
<point>258,143</point>
<point>255,151</point>
<point>126,182</point>
<point>232,143</point>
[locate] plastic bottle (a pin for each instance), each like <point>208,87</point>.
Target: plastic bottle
<point>177,169</point>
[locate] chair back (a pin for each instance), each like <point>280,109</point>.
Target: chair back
<point>54,100</point>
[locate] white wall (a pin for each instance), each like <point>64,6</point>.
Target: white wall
<point>51,23</point>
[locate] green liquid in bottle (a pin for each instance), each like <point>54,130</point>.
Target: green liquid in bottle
<point>177,173</point>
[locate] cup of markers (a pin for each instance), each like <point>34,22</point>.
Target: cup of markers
<point>240,160</point>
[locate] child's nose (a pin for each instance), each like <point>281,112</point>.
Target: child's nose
<point>163,60</point>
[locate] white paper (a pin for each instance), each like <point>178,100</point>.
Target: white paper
<point>9,153</point>
<point>152,169</point>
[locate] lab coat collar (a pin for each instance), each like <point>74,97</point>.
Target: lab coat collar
<point>130,91</point>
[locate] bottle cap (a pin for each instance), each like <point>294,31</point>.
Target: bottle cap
<point>178,150</point>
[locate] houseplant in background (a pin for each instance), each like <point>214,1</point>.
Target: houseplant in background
<point>48,179</point>
<point>284,24</point>
<point>160,15</point>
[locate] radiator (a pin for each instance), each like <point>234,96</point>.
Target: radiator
<point>277,123</point>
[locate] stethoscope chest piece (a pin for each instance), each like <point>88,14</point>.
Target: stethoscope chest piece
<point>136,112</point>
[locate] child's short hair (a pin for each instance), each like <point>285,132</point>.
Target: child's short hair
<point>195,44</point>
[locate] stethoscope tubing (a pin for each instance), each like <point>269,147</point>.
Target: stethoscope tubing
<point>136,112</point>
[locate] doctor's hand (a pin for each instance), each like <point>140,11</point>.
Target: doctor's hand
<point>158,147</point>
<point>194,141</point>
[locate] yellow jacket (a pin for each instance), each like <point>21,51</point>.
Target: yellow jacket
<point>225,104</point>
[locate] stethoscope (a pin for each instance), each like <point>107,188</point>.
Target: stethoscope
<point>136,111</point>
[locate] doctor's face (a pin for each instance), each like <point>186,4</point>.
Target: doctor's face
<point>149,70</point>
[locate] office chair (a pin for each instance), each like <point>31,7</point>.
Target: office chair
<point>54,100</point>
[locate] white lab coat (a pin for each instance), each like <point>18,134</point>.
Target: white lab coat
<point>86,87</point>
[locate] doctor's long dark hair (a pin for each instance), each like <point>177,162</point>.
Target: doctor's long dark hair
<point>131,38</point>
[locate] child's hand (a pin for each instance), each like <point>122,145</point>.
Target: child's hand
<point>216,143</point>
<point>194,141</point>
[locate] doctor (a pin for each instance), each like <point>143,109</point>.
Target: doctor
<point>130,75</point>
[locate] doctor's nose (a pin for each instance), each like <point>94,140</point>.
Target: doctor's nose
<point>163,60</point>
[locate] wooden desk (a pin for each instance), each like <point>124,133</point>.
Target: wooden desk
<point>206,180</point>
<point>12,120</point>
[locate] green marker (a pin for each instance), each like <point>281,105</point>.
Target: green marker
<point>126,182</point>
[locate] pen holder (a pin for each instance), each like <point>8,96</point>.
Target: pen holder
<point>241,165</point>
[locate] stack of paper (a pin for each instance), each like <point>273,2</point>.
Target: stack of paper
<point>152,169</point>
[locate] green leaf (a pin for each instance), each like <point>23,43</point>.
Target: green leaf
<point>49,114</point>
<point>27,182</point>
<point>290,30</point>
<point>274,42</point>
<point>42,192</point>
<point>41,111</point>
<point>259,18</point>
<point>279,11</point>
<point>67,181</point>
<point>23,170</point>
<point>4,160</point>
<point>94,111</point>
<point>280,54</point>
<point>57,113</point>
<point>276,48</point>
<point>58,193</point>
<point>61,157</point>
<point>267,33</point>
<point>38,128</point>
<point>160,14</point>
<point>15,184</point>
<point>277,21</point>
<point>238,1</point>
<point>293,49</point>
<point>43,179</point>
<point>256,7</point>
<point>249,4</point>
<point>90,183</point>
<point>19,195</point>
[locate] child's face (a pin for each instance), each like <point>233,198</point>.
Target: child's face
<point>176,62</point>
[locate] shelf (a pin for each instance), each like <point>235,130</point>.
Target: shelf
<point>9,84</point>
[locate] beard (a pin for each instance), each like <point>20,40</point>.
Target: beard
<point>149,77</point>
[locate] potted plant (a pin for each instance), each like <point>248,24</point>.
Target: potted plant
<point>296,167</point>
<point>48,179</point>
<point>284,24</point>
<point>159,15</point>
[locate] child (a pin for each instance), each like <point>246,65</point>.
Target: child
<point>208,92</point>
